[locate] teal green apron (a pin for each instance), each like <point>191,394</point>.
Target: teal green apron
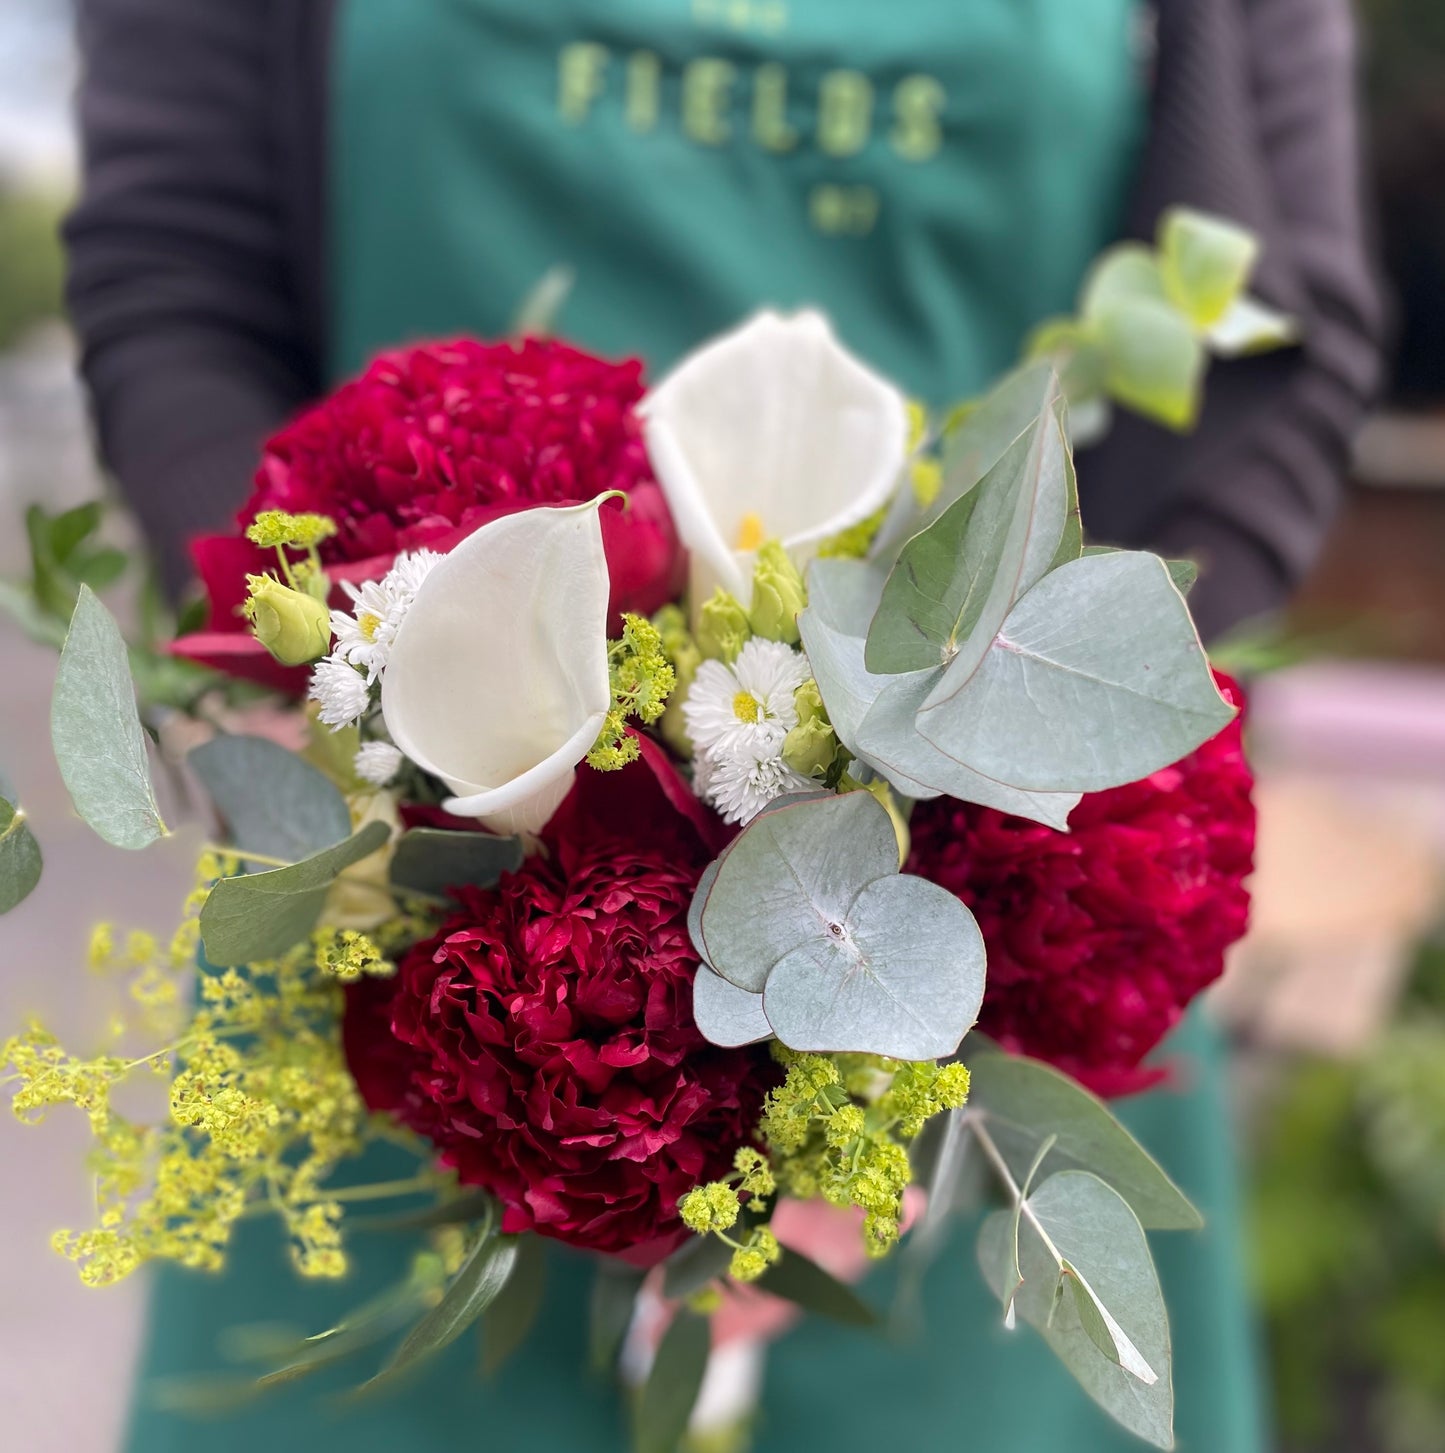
<point>936,174</point>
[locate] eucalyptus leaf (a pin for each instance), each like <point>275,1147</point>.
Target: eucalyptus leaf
<point>971,448</point>
<point>613,1303</point>
<point>1097,1236</point>
<point>673,1385</point>
<point>95,729</point>
<point>1025,1103</point>
<point>474,1288</point>
<point>694,910</point>
<point>20,857</point>
<point>1184,574</point>
<point>955,583</point>
<point>434,860</point>
<point>274,802</point>
<point>875,718</point>
<point>1156,360</point>
<point>1204,263</point>
<point>1126,273</point>
<point>902,976</point>
<point>726,1015</point>
<point>261,915</point>
<point>804,1283</point>
<point>1097,679</point>
<point>699,1261</point>
<point>789,874</point>
<point>511,1317</point>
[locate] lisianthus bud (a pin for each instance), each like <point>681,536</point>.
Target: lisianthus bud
<point>293,626</point>
<point>723,629</point>
<point>811,748</point>
<point>778,595</point>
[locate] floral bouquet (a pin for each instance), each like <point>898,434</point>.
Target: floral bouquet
<point>672,781</point>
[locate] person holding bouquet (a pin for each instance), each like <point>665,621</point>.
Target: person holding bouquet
<point>275,192</point>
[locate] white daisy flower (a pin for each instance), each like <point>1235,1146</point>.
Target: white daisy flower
<point>377,762</point>
<point>750,701</point>
<point>741,778</point>
<point>341,690</point>
<point>738,717</point>
<point>364,635</point>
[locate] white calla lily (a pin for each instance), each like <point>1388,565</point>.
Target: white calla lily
<point>497,680</point>
<point>773,431</point>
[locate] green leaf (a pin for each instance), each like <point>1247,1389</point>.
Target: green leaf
<point>1096,680</point>
<point>261,915</point>
<point>788,874</point>
<point>100,569</point>
<point>673,1384</point>
<point>614,1300</point>
<point>808,905</point>
<point>474,1288</point>
<point>511,1317</point>
<point>1155,359</point>
<point>971,448</point>
<point>433,860</point>
<point>95,729</point>
<point>1127,273</point>
<point>698,1262</point>
<point>459,1210</point>
<point>1204,263</point>
<point>20,858</point>
<point>903,976</point>
<point>1100,1242</point>
<point>273,802</point>
<point>724,1014</point>
<point>803,1282</point>
<point>955,583</point>
<point>875,717</point>
<point>1026,1103</point>
<point>1184,574</point>
<point>67,530</point>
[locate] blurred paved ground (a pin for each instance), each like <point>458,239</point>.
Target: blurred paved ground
<point>65,1352</point>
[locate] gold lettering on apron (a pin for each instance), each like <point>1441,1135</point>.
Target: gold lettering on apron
<point>706,97</point>
<point>843,211</point>
<point>918,101</point>
<point>580,72</point>
<point>845,112</point>
<point>643,88</point>
<point>770,108</point>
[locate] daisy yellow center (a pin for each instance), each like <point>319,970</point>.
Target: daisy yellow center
<point>746,707</point>
<point>370,624</point>
<point>750,532</point>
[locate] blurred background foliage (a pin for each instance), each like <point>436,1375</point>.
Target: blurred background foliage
<point>30,258</point>
<point>1349,1234</point>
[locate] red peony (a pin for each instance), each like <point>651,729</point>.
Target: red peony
<point>543,1039</point>
<point>1099,938</point>
<point>430,443</point>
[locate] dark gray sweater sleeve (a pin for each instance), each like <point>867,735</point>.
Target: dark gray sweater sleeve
<point>1257,120</point>
<point>180,284</point>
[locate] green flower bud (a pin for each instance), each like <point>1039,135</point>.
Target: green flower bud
<point>811,748</point>
<point>722,629</point>
<point>778,595</point>
<point>682,651</point>
<point>293,626</point>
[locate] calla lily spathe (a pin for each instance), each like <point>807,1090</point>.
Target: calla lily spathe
<point>773,431</point>
<point>497,680</point>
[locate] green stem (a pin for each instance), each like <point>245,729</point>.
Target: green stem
<point>974,1121</point>
<point>384,1190</point>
